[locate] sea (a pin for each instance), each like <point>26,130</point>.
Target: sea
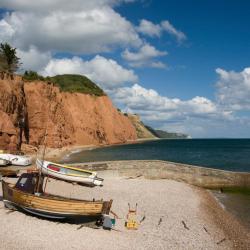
<point>226,154</point>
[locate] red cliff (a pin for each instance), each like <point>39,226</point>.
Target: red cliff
<point>70,118</point>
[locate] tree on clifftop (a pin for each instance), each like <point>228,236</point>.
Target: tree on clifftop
<point>9,62</point>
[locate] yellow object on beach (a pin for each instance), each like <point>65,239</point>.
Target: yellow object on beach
<point>131,222</point>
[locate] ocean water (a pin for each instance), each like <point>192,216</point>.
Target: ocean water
<point>227,154</point>
<point>237,204</point>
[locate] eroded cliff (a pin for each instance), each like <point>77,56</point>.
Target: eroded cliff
<point>66,118</point>
<point>13,112</point>
<point>141,130</point>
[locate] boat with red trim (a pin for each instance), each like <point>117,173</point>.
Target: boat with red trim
<point>68,173</point>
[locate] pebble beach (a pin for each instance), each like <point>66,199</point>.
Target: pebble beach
<point>172,215</point>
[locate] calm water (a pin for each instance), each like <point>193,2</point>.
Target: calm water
<point>237,204</point>
<point>227,154</point>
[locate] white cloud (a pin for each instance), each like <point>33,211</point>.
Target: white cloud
<point>6,31</point>
<point>148,101</point>
<point>168,27</point>
<point>148,28</point>
<point>144,56</point>
<point>105,72</point>
<point>195,116</point>
<point>158,64</point>
<point>214,128</point>
<point>63,26</point>
<point>33,59</point>
<point>233,89</point>
<point>48,5</point>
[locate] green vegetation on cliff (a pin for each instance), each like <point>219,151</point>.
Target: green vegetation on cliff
<point>32,76</point>
<point>76,83</point>
<point>67,83</point>
<point>9,62</point>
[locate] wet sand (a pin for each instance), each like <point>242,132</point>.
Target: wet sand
<point>177,216</point>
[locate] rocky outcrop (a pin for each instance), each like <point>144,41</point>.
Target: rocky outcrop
<point>66,118</point>
<point>141,130</point>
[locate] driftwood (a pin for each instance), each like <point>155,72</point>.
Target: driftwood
<point>160,221</point>
<point>219,242</point>
<point>116,230</point>
<point>206,230</point>
<point>134,177</point>
<point>143,218</point>
<point>184,224</point>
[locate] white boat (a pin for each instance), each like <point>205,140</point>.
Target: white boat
<point>68,173</point>
<point>19,160</point>
<point>3,162</point>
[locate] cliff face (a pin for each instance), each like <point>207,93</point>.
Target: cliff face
<point>13,112</point>
<point>70,118</point>
<point>141,130</point>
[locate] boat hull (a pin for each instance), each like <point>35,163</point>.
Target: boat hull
<point>53,207</point>
<point>51,215</point>
<point>90,179</point>
<point>17,160</point>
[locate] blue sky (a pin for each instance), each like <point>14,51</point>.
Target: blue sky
<point>181,65</point>
<point>218,36</point>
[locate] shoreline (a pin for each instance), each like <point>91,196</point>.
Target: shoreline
<point>235,231</point>
<point>57,154</point>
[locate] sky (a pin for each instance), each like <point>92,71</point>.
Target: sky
<point>183,66</point>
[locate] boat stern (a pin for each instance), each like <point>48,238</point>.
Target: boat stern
<point>98,181</point>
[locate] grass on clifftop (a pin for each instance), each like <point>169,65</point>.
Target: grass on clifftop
<point>76,83</point>
<point>68,83</point>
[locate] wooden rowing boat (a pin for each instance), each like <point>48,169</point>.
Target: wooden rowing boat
<point>68,173</point>
<point>22,196</point>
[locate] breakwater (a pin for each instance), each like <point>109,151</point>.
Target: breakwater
<point>155,169</point>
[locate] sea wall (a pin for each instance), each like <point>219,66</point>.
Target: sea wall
<point>198,176</point>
